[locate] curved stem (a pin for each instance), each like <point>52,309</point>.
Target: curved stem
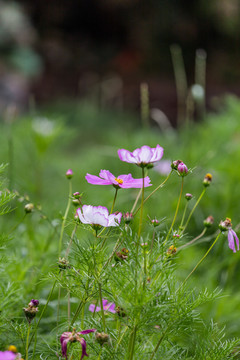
<point>176,212</point>
<point>200,261</point>
<point>65,218</point>
<point>193,209</point>
<point>194,240</point>
<point>71,239</point>
<point>153,192</point>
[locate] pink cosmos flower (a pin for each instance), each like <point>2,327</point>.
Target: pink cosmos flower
<point>98,215</point>
<point>106,307</point>
<point>73,337</point>
<point>143,156</point>
<point>231,237</point>
<point>122,181</point>
<point>7,355</point>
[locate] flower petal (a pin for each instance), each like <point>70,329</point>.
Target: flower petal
<point>87,331</point>
<point>107,175</point>
<point>236,239</point>
<point>64,339</point>
<point>144,155</point>
<point>136,183</point>
<point>114,219</point>
<point>157,153</point>
<point>231,243</point>
<point>84,347</point>
<point>93,308</point>
<point>110,307</point>
<point>95,180</point>
<point>126,156</point>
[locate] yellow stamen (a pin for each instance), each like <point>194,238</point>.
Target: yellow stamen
<point>120,181</point>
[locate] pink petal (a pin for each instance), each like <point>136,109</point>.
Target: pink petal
<point>95,180</point>
<point>114,219</point>
<point>145,154</point>
<point>236,239</point>
<point>231,243</point>
<point>93,308</point>
<point>126,156</point>
<point>157,153</point>
<point>84,347</point>
<point>87,331</point>
<point>107,175</point>
<point>110,307</point>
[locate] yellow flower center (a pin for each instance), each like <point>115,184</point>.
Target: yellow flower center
<point>120,181</point>
<point>12,348</point>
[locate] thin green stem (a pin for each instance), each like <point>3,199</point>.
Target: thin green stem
<point>133,339</point>
<point>71,240</point>
<point>183,217</point>
<point>141,211</point>
<point>114,199</point>
<point>136,201</point>
<point>159,343</point>
<point>27,341</point>
<point>43,310</point>
<point>200,261</point>
<point>65,218</point>
<point>101,304</point>
<point>193,209</point>
<point>153,192</point>
<point>176,212</point>
<point>193,240</point>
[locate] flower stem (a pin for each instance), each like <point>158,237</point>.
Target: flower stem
<point>114,200</point>
<point>183,217</point>
<point>193,209</point>
<point>141,212</point>
<point>101,304</point>
<point>65,218</point>
<point>193,240</point>
<point>132,342</point>
<point>153,192</point>
<point>27,341</point>
<point>159,343</point>
<point>200,261</point>
<point>71,239</point>
<point>43,310</point>
<point>176,212</point>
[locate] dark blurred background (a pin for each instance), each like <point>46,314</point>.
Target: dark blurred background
<point>73,48</point>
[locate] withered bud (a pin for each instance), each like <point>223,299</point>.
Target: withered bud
<point>121,255</point>
<point>120,311</point>
<point>208,221</point>
<point>207,180</point>
<point>30,311</point>
<point>171,250</point>
<point>127,217</point>
<point>63,264</point>
<point>102,338</point>
<point>225,225</point>
<point>175,164</point>
<point>28,208</point>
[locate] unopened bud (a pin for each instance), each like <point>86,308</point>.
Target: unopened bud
<point>188,196</point>
<point>207,180</point>
<point>127,217</point>
<point>208,221</point>
<point>69,174</point>
<point>155,222</point>
<point>182,169</point>
<point>144,245</point>
<point>28,208</point>
<point>225,225</point>
<point>34,303</point>
<point>102,338</point>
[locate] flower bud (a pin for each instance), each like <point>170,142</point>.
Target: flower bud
<point>28,208</point>
<point>207,180</point>
<point>182,169</point>
<point>155,222</point>
<point>31,310</point>
<point>144,245</point>
<point>120,311</point>
<point>171,250</point>
<point>63,264</point>
<point>102,338</point>
<point>188,196</point>
<point>69,174</point>
<point>175,164</point>
<point>208,221</point>
<point>176,235</point>
<point>225,225</point>
<point>121,255</point>
<point>77,195</point>
<point>127,217</point>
